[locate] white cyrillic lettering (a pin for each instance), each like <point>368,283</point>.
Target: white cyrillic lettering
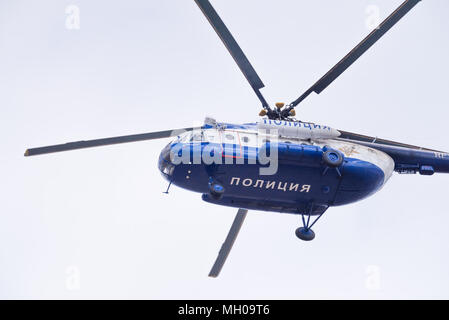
<point>260,182</point>
<point>235,179</point>
<point>270,184</point>
<point>282,188</point>
<point>293,187</point>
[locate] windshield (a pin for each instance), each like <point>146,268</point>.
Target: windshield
<point>197,136</point>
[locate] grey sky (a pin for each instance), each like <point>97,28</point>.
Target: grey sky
<point>140,66</point>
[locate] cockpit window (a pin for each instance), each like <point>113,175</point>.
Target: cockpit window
<point>185,137</point>
<point>197,137</point>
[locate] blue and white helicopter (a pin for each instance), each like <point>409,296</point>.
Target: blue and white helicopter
<point>279,164</point>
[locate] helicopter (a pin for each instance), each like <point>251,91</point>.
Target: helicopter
<point>279,163</point>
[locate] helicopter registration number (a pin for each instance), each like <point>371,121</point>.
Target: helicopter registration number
<point>440,155</point>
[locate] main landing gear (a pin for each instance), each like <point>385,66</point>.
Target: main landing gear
<point>305,232</point>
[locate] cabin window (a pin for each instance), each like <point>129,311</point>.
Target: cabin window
<point>229,137</point>
<point>212,135</point>
<point>245,139</point>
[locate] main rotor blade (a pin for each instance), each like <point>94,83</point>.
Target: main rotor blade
<point>359,50</point>
<point>229,242</point>
<point>233,48</point>
<point>356,137</point>
<point>106,141</point>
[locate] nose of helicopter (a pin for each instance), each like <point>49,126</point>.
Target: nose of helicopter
<point>165,164</point>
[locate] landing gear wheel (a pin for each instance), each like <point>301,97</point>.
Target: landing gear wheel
<point>332,158</point>
<point>305,234</point>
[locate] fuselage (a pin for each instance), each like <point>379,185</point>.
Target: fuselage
<point>281,170</point>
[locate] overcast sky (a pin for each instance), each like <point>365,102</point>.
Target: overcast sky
<point>95,224</point>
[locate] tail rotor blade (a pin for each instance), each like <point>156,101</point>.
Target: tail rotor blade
<point>229,242</point>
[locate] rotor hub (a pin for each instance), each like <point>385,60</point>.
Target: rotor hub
<point>280,112</point>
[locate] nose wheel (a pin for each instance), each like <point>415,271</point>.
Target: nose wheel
<point>305,232</point>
